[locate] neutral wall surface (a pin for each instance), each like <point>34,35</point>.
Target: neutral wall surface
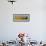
<point>37,25</point>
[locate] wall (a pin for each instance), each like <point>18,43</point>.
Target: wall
<point>37,25</point>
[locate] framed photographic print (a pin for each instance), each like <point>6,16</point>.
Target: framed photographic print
<point>21,17</point>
